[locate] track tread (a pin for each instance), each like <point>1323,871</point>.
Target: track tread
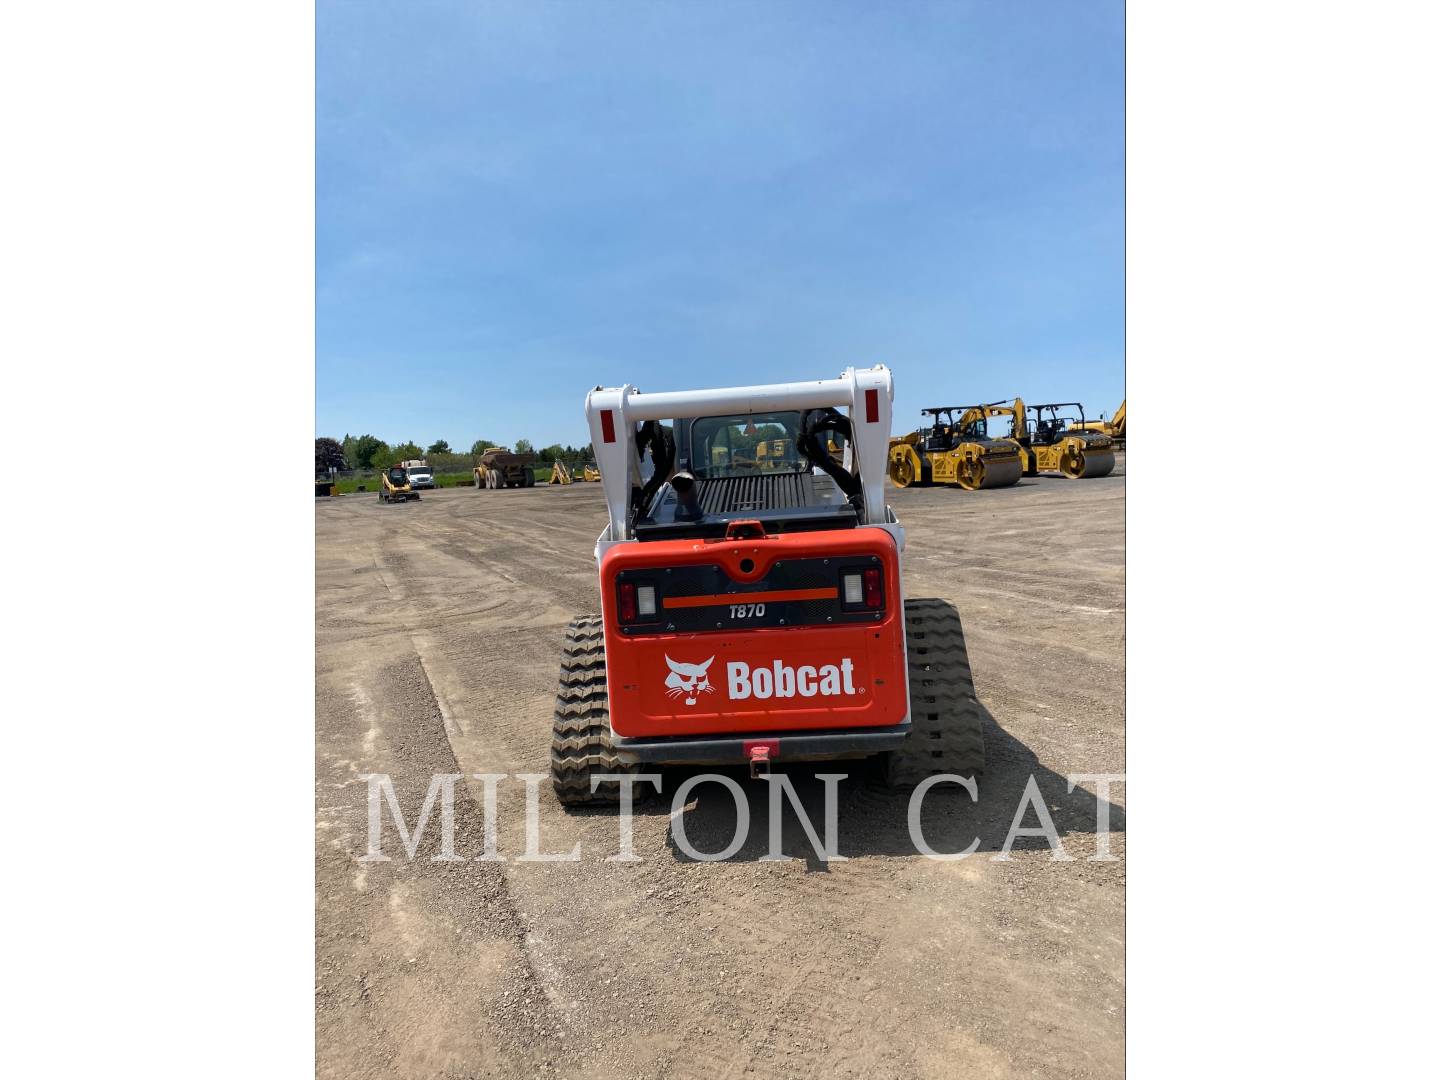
<point>580,744</point>
<point>947,731</point>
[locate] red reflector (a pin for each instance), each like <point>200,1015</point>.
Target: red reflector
<point>872,406</point>
<point>627,601</point>
<point>607,425</point>
<point>873,597</point>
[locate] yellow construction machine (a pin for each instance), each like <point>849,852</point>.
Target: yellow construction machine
<point>954,451</point>
<point>777,454</point>
<point>499,468</point>
<point>560,473</point>
<point>395,485</point>
<point>1050,443</point>
<point>1114,427</point>
<point>591,474</point>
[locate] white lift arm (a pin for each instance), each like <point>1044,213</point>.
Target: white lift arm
<point>613,414</point>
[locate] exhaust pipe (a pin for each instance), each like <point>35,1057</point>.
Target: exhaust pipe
<point>683,484</point>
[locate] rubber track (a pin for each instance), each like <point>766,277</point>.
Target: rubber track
<point>946,733</point>
<point>581,744</point>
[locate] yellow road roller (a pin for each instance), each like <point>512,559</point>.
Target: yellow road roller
<point>954,451</point>
<point>1048,443</point>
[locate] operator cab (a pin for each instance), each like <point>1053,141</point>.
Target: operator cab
<point>1050,426</point>
<point>750,467</point>
<point>1047,431</point>
<point>941,437</point>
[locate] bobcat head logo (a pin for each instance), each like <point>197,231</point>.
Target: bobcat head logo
<point>688,680</point>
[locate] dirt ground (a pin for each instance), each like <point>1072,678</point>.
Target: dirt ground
<point>438,629</point>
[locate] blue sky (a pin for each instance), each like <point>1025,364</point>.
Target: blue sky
<point>518,201</point>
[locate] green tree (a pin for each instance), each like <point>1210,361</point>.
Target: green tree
<point>347,446</point>
<point>381,457</point>
<point>524,446</point>
<point>328,455</point>
<point>367,449</point>
<point>405,451</point>
<point>481,445</point>
<point>439,446</point>
<point>553,453</point>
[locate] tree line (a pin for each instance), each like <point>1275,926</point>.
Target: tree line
<point>368,452</point>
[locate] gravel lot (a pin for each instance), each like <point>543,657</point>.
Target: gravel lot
<point>438,633</point>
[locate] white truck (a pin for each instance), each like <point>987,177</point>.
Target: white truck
<point>420,473</point>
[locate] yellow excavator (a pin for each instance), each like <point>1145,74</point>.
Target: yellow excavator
<point>1114,427</point>
<point>1051,443</point>
<point>954,451</point>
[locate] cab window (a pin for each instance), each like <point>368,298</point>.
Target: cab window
<point>745,445</point>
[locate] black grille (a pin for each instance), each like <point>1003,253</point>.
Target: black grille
<point>736,494</point>
<point>782,502</point>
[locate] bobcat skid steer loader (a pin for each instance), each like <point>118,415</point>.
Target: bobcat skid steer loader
<point>752,615</point>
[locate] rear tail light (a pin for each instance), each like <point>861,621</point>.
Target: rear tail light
<point>636,603</point>
<point>862,589</point>
<point>874,596</point>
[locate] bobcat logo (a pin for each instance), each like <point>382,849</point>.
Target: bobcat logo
<point>688,680</point>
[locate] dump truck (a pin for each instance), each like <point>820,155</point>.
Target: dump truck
<point>500,467</point>
<point>395,485</point>
<point>954,451</point>
<point>1114,427</point>
<point>753,617</point>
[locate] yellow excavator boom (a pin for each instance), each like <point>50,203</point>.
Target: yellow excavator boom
<point>1114,427</point>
